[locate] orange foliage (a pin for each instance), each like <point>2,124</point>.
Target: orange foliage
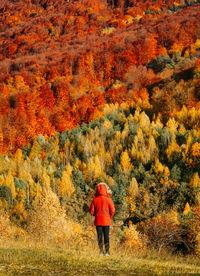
<point>71,57</point>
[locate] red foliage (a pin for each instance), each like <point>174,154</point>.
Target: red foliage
<point>74,56</point>
<point>47,100</point>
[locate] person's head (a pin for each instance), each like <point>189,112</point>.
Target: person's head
<point>108,190</point>
<point>101,190</point>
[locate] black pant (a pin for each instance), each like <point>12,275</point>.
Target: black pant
<point>103,231</point>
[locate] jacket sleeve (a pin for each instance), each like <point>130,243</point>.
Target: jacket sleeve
<point>111,208</point>
<point>92,210</point>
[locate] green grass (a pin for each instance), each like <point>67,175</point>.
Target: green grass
<point>53,261</point>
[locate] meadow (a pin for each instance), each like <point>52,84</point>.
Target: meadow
<point>37,260</point>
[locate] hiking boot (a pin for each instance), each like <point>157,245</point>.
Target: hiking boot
<point>107,254</point>
<point>101,253</point>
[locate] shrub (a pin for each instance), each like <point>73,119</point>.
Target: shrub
<point>134,239</point>
<point>20,183</point>
<point>162,233</point>
<point>8,232</point>
<point>48,222</point>
<point>6,193</point>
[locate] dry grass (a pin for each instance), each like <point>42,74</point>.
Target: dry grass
<point>38,259</point>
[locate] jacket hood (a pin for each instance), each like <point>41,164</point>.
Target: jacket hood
<point>101,190</point>
<point>108,190</point>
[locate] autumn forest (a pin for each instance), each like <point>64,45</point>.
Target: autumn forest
<point>104,90</point>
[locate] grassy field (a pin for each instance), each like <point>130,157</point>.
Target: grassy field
<point>34,260</point>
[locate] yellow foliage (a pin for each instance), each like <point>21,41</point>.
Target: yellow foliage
<point>139,155</point>
<point>195,181</point>
<point>146,198</point>
<point>108,158</point>
<point>196,132</point>
<point>195,150</point>
<point>128,19</point>
<point>35,192</point>
<point>35,151</point>
<point>133,151</point>
<point>125,162</point>
<point>1,140</point>
<point>2,180</point>
<point>176,48</point>
<point>188,142</point>
<point>108,30</point>
<point>183,114</point>
<point>181,129</point>
<point>133,188</point>
<point>78,164</point>
<point>158,167</point>
<point>172,125</point>
<point>20,195</point>
<point>117,137</point>
<point>66,184</point>
<point>173,147</point>
<point>55,147</point>
<point>125,132</point>
<point>25,174</point>
<point>8,231</point>
<point>18,156</point>
<point>189,139</point>
<point>19,210</point>
<point>197,44</point>
<point>187,209</point>
<point>48,221</point>
<point>152,146</point>
<point>9,181</point>
<point>166,173</point>
<point>132,191</point>
<point>197,249</point>
<point>45,179</point>
<point>137,115</point>
<point>93,169</point>
<point>107,124</point>
<point>133,239</point>
<point>144,122</point>
<point>131,204</point>
<point>20,83</point>
<point>110,180</point>
<point>173,217</point>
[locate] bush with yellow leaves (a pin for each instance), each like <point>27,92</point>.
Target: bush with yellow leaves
<point>133,239</point>
<point>192,222</point>
<point>48,222</point>
<point>8,232</point>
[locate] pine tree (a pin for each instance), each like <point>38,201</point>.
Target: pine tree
<point>35,151</point>
<point>195,181</point>
<point>187,209</point>
<point>66,184</point>
<point>158,167</point>
<point>172,148</point>
<point>9,181</point>
<point>144,122</point>
<point>172,125</point>
<point>125,162</point>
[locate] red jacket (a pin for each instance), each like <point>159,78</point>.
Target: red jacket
<point>102,207</point>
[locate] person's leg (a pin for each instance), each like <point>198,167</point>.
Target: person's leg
<point>99,237</point>
<point>106,238</point>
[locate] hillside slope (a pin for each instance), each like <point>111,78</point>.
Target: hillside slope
<point>61,61</point>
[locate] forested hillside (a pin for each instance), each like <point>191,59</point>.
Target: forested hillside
<point>96,91</point>
<point>61,61</point>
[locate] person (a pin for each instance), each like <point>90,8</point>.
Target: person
<point>102,207</point>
